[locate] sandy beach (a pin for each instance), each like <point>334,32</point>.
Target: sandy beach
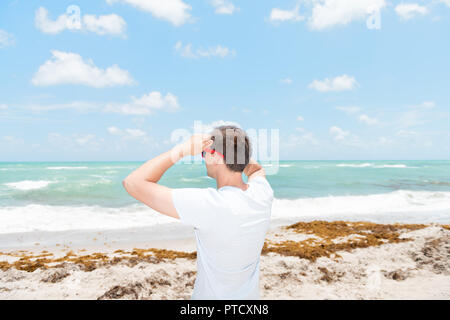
<point>306,260</point>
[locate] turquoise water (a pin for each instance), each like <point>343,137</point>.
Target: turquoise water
<point>83,195</point>
<point>99,183</point>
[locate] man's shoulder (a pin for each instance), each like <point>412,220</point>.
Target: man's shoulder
<point>260,180</point>
<point>207,194</point>
<point>263,186</point>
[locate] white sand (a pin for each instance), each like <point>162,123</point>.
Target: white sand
<point>418,269</point>
<point>364,273</point>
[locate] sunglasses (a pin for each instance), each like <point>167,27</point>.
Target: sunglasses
<point>211,151</point>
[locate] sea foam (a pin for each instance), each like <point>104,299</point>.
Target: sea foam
<point>36,217</point>
<point>397,206</point>
<point>65,168</point>
<point>28,184</point>
<point>355,165</point>
<point>421,205</point>
<point>365,165</point>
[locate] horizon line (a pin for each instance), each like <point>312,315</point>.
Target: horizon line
<point>74,161</point>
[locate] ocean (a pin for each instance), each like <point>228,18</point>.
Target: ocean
<point>51,196</point>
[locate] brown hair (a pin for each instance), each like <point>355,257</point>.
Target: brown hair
<point>234,144</point>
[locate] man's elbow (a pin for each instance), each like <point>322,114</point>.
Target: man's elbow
<point>134,186</point>
<point>128,184</point>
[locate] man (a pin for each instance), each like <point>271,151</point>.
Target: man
<point>230,222</point>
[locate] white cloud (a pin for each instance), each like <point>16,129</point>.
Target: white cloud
<point>309,138</point>
<point>223,6</point>
<point>286,80</point>
<point>300,118</point>
<point>408,11</point>
<point>127,133</point>
<point>80,106</point>
<point>46,25</point>
<point>155,100</point>
<point>145,105</point>
<point>302,138</point>
<point>349,109</point>
<point>6,39</point>
<point>346,137</point>
<point>135,133</point>
<point>129,136</point>
<point>111,24</point>
<point>340,83</point>
<point>11,143</point>
<point>425,105</point>
<point>383,141</point>
<point>11,140</point>
<point>338,134</point>
<point>174,11</point>
<point>406,133</point>
<point>217,51</point>
<point>328,13</point>
<point>70,68</point>
<point>418,115</point>
<point>411,118</point>
<point>3,106</point>
<point>83,139</point>
<point>367,120</point>
<point>185,51</point>
<point>76,140</point>
<point>106,24</point>
<point>279,15</point>
<point>115,131</point>
<point>447,2</point>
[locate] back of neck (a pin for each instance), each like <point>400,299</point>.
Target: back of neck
<point>233,179</point>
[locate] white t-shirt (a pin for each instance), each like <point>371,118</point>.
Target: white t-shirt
<point>230,226</point>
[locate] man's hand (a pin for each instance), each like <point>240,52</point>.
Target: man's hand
<point>254,169</point>
<point>194,145</point>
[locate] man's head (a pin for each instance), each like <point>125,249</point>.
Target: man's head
<point>229,153</point>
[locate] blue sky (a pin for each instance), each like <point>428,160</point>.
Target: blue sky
<point>339,79</point>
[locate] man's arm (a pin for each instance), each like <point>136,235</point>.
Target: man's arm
<point>253,170</point>
<point>142,184</point>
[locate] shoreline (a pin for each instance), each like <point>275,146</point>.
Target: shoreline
<point>169,235</point>
<point>306,260</point>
